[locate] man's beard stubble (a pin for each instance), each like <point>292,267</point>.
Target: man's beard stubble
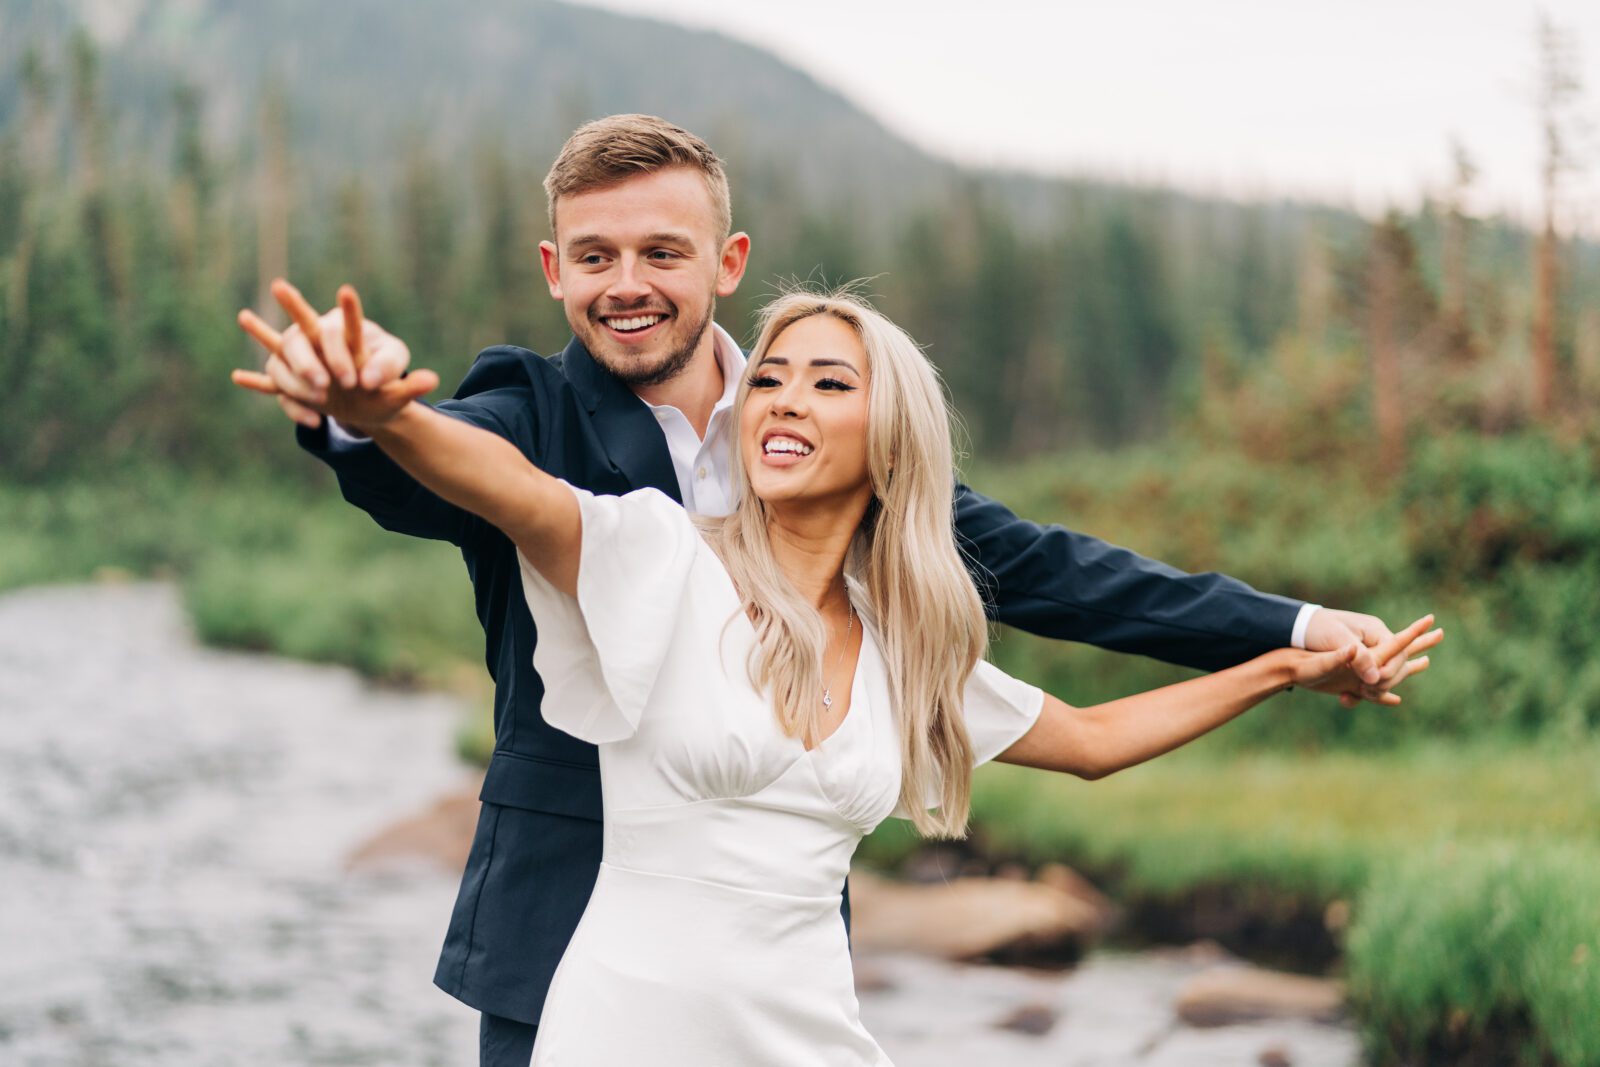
<point>641,377</point>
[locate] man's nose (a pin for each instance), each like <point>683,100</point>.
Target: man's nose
<point>629,286</point>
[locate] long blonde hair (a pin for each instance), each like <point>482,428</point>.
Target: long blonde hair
<point>927,611</point>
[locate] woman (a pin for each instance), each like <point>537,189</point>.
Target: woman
<point>767,688</point>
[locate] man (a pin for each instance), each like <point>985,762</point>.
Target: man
<point>641,248</point>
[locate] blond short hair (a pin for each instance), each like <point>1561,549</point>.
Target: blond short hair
<point>618,147</point>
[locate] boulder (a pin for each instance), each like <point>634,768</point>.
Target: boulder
<point>439,837</point>
<point>1222,996</point>
<point>967,918</point>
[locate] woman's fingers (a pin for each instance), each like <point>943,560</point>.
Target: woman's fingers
<point>253,380</point>
<point>1322,665</point>
<point>253,325</point>
<point>354,334</point>
<point>301,311</point>
<point>299,413</point>
<point>302,346</point>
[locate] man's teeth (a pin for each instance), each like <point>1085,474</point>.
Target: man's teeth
<point>638,322</point>
<point>787,444</point>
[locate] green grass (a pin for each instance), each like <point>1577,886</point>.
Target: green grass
<point>263,566</point>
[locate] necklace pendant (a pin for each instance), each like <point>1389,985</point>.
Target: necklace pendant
<point>827,699</point>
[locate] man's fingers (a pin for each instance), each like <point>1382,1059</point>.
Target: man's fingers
<point>303,314</point>
<point>300,413</point>
<point>260,383</point>
<point>387,358</point>
<point>1423,643</point>
<point>1372,630</point>
<point>304,362</point>
<point>404,390</point>
<point>1394,672</point>
<point>1396,644</point>
<point>256,327</point>
<point>354,335</point>
<point>291,384</point>
<point>335,356</point>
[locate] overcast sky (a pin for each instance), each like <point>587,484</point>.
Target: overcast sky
<point>1354,101</point>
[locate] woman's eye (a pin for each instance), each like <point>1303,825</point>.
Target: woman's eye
<point>834,383</point>
<point>763,381</point>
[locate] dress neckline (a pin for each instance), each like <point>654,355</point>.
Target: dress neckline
<point>857,690</point>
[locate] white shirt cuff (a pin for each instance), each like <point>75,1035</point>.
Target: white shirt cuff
<point>338,435</point>
<point>1302,621</point>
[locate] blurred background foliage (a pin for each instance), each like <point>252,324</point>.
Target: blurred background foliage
<point>1391,415</point>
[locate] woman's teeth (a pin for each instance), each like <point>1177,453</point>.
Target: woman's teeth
<point>786,446</point>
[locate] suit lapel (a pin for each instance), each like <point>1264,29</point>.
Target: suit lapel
<point>627,429</point>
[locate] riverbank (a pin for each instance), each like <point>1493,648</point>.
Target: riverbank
<point>1455,888</point>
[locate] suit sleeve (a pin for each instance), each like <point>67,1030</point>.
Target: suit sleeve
<point>1057,583</point>
<point>373,482</point>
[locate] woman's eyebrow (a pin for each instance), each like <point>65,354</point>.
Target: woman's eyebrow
<point>822,361</point>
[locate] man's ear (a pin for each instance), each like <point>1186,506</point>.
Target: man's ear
<point>550,262</point>
<point>735,257</point>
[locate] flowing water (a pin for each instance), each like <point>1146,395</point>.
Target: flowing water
<point>174,825</point>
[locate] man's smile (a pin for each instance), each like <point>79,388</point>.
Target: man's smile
<point>634,326</point>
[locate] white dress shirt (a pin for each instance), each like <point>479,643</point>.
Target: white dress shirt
<point>705,466</point>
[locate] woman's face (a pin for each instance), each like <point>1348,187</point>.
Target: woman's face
<point>803,430</point>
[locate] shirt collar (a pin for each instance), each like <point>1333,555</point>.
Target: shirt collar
<point>730,359</point>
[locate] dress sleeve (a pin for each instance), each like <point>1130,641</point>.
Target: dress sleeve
<point>599,654</point>
<point>998,709</point>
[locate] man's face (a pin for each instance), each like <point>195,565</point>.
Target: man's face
<point>638,267</point>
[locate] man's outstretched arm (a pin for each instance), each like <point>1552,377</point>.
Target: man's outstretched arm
<point>1058,583</point>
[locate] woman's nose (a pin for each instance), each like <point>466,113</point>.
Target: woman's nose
<point>788,402</point>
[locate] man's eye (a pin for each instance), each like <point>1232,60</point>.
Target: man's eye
<point>663,254</point>
<point>763,381</point>
<point>593,259</point>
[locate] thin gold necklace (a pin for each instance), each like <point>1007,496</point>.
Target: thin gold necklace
<point>849,623</point>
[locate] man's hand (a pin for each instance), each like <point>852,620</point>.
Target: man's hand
<point>339,364</point>
<point>1369,675</point>
<point>1335,671</point>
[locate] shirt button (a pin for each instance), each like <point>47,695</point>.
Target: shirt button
<point>701,474</point>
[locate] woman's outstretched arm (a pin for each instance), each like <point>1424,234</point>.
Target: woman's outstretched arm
<point>469,467</point>
<point>487,475</point>
<point>1092,742</point>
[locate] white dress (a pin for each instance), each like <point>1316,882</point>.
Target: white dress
<point>713,935</point>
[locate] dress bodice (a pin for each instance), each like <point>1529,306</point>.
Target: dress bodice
<point>727,842</point>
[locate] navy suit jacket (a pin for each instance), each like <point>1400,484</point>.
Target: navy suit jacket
<point>536,852</point>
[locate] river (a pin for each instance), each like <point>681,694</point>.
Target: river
<point>174,828</point>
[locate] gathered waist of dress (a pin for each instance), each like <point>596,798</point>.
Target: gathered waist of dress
<point>732,844</point>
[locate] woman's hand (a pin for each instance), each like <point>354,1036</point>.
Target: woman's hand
<point>339,364</point>
<point>1334,670</point>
